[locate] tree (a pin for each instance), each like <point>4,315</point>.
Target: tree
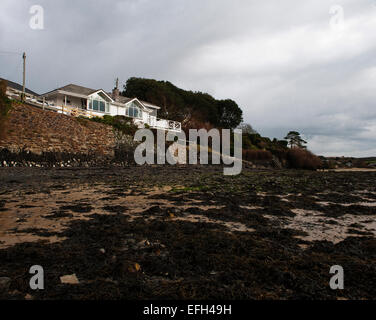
<point>295,140</point>
<point>229,114</point>
<point>188,107</point>
<point>247,128</point>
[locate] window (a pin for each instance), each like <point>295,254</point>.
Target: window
<point>95,105</point>
<point>100,106</point>
<point>133,111</point>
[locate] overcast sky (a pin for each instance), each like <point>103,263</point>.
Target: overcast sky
<point>290,65</point>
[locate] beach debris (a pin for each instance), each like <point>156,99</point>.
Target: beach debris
<point>134,268</point>
<point>69,279</point>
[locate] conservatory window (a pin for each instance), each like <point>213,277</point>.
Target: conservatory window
<point>133,111</point>
<point>95,105</point>
<point>100,106</point>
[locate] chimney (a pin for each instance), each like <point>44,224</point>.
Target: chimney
<point>115,91</point>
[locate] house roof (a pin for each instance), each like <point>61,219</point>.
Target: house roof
<point>150,105</point>
<point>124,100</point>
<point>18,87</point>
<point>121,99</point>
<point>73,88</point>
<point>77,91</point>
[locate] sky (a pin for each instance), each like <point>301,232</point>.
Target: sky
<point>307,66</point>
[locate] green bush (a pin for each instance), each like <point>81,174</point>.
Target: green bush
<point>120,123</point>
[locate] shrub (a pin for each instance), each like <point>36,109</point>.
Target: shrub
<point>303,159</point>
<point>251,155</point>
<point>82,120</point>
<point>120,123</point>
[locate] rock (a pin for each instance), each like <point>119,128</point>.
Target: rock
<point>134,268</point>
<point>29,297</point>
<point>5,283</point>
<point>69,279</point>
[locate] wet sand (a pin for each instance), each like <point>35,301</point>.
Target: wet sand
<point>192,232</point>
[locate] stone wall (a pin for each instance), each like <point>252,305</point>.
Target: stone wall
<point>34,130</point>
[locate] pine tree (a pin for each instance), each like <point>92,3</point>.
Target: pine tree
<point>295,140</point>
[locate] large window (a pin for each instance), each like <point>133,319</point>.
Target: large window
<point>133,111</point>
<point>100,106</point>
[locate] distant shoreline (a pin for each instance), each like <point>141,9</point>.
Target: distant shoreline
<point>349,170</point>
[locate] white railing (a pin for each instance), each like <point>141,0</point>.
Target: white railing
<point>163,124</point>
<point>174,126</point>
<point>76,112</point>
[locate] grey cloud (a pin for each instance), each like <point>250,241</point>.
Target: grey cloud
<point>278,60</point>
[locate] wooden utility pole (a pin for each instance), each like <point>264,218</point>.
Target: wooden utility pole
<point>24,76</point>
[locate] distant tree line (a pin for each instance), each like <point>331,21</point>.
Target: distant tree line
<point>193,109</point>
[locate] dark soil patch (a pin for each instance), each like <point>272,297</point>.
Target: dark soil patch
<point>115,209</point>
<point>79,208</point>
<point>59,214</point>
<point>115,257</point>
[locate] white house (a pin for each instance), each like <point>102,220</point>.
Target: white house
<point>14,90</point>
<point>77,100</point>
